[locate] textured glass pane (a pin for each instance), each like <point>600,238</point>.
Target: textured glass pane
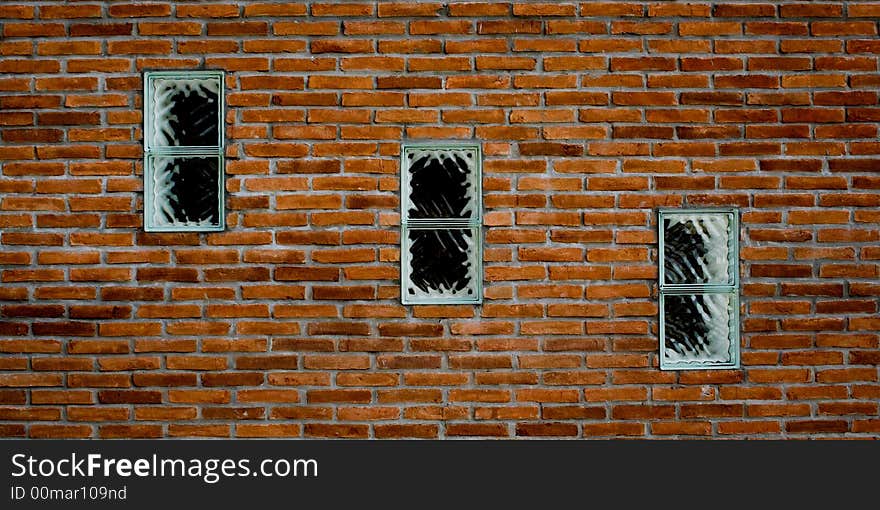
<point>698,328</point>
<point>185,112</point>
<point>696,248</point>
<point>440,182</point>
<point>185,191</point>
<point>441,264</point>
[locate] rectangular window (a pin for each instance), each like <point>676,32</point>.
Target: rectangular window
<point>440,224</point>
<point>699,288</point>
<point>183,151</point>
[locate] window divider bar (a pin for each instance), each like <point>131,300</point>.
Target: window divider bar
<point>685,288</point>
<point>438,223</point>
<point>184,151</point>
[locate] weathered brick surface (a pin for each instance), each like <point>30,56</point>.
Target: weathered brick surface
<point>591,114</point>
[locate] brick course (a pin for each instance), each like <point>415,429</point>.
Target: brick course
<point>591,114</point>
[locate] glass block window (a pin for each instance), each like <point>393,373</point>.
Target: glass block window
<point>440,223</point>
<point>183,151</point>
<point>699,288</point>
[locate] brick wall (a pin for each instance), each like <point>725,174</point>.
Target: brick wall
<point>289,323</point>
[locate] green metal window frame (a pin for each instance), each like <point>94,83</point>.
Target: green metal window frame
<point>731,288</point>
<point>153,152</point>
<point>475,223</point>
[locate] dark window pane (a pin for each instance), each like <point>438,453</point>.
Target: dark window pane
<point>441,263</point>
<point>186,112</point>
<point>441,183</point>
<point>698,328</point>
<point>696,249</point>
<point>185,191</point>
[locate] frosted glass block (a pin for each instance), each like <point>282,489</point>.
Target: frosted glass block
<point>183,192</point>
<point>441,265</point>
<point>698,249</point>
<point>699,330</point>
<point>185,112</point>
<point>440,182</point>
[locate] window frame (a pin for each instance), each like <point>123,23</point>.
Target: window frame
<point>152,152</point>
<point>731,289</point>
<point>474,223</point>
